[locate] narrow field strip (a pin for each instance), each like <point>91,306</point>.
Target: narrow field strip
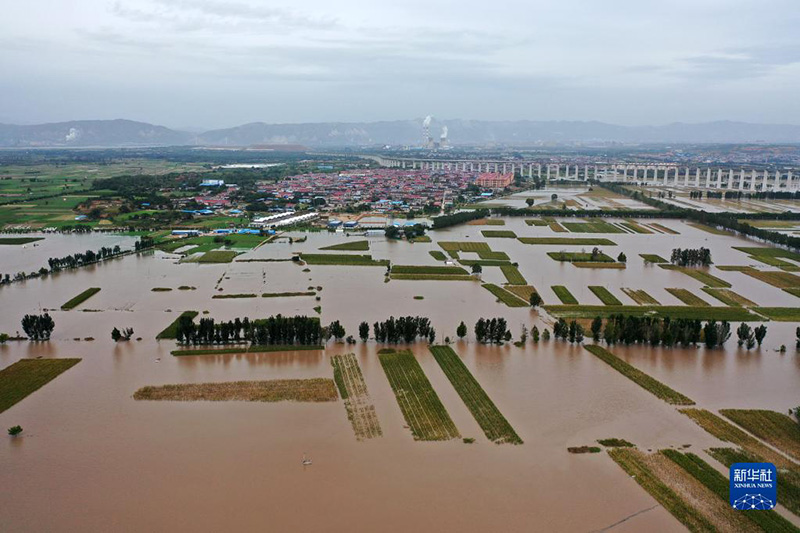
<point>640,296</point>
<point>645,381</point>
<point>170,331</point>
<point>342,259</point>
<point>564,295</point>
<point>421,407</point>
<point>357,402</point>
<point>26,376</point>
<point>605,295</point>
<point>663,311</point>
<point>774,428</point>
<point>728,297</point>
<point>523,291</point>
<point>577,241</point>
<point>510,299</point>
<point>352,246</point>
<point>596,264</point>
<point>665,229</point>
<point>699,275</point>
<point>250,349</point>
<point>718,484</point>
<point>653,258</point>
<point>687,297</point>
<point>513,275</point>
<point>79,299</point>
<point>498,234</point>
<point>276,390</point>
<point>633,462</point>
<point>486,413</point>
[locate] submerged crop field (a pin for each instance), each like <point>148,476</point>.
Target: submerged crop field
<point>26,376</point>
<point>486,413</point>
<point>645,381</point>
<point>421,407</point>
<point>353,390</point>
<point>343,259</point>
<point>276,390</point>
<point>79,299</point>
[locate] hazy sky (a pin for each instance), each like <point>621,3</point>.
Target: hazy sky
<point>217,63</point>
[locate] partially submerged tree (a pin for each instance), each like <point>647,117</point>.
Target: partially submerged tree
<point>14,430</point>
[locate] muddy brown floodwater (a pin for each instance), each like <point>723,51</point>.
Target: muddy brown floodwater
<point>93,459</point>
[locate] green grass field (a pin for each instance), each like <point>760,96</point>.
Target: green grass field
<point>564,295</point>
<point>439,256</point>
<point>779,314</point>
<point>79,299</point>
<point>510,299</point>
<point>771,256</point>
<point>352,246</point>
<point>605,295</point>
<point>26,376</point>
<point>645,381</point>
<point>421,407</point>
<point>429,269</point>
<point>343,260</point>
<point>489,418</point>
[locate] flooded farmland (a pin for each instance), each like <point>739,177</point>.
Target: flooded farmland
<point>98,457</point>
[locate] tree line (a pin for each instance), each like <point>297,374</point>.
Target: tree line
<point>691,257</point>
<point>458,218</point>
<point>82,258</point>
<point>275,330</point>
<point>629,329</point>
<point>403,329</point>
<point>492,330</point>
<point>38,327</point>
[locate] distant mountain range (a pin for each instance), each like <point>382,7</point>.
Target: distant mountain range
<point>117,133</point>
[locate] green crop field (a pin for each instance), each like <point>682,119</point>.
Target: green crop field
<point>774,428</point>
<point>596,264</point>
<point>216,256</point>
<point>513,275</point>
<point>687,297</point>
<point>535,222</point>
<point>653,258</point>
<point>605,295</point>
<point>170,331</point>
<point>352,246</point>
<point>645,381</point>
<point>564,295</point>
<point>633,462</point>
<point>700,275</point>
<point>771,256</point>
<point>636,227</point>
<point>419,403</point>
<point>662,311</point>
<point>591,226</point>
<point>439,256</point>
<point>26,376</point>
<point>779,314</point>
<point>79,299</point>
<point>498,234</point>
<point>12,241</point>
<point>429,269</point>
<point>489,418</point>
<point>584,257</point>
<point>728,297</point>
<point>577,241</point>
<point>511,300</point>
<point>343,260</point>
<point>640,296</point>
<point>353,390</point>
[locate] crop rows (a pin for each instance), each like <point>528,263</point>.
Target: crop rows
<point>357,402</point>
<point>421,407</point>
<point>486,413</point>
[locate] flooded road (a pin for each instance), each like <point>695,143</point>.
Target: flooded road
<point>102,461</point>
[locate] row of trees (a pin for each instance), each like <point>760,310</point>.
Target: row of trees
<point>38,327</point>
<point>749,336</point>
<point>409,232</point>
<point>691,257</point>
<point>459,218</point>
<point>492,330</point>
<point>403,329</point>
<point>81,259</point>
<point>124,334</point>
<point>275,330</point>
<point>656,331</point>
<point>573,332</point>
